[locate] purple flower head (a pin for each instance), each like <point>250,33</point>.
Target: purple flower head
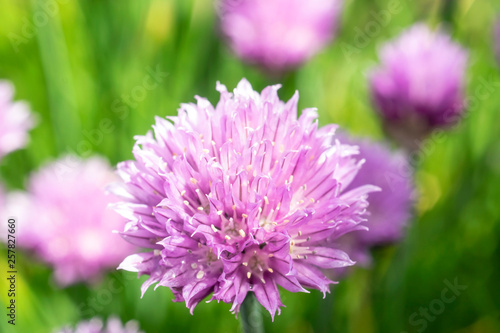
<point>390,209</point>
<point>496,37</point>
<point>240,197</point>
<point>66,222</point>
<point>95,325</point>
<point>15,121</point>
<point>279,34</point>
<point>420,82</point>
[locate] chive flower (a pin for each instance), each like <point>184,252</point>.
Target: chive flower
<point>238,198</point>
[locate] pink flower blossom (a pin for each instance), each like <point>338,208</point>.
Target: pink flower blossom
<point>241,197</point>
<point>279,34</point>
<point>15,121</point>
<point>95,325</point>
<point>390,209</point>
<point>65,221</point>
<point>419,84</point>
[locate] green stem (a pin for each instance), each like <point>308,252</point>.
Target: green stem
<point>57,71</point>
<point>250,315</point>
<point>448,9</point>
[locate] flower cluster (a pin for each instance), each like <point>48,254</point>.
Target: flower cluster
<point>240,197</point>
<point>15,121</point>
<point>279,34</point>
<point>66,221</point>
<point>420,82</point>
<point>95,325</point>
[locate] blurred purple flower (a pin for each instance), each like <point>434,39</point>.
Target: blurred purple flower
<point>65,220</point>
<point>279,34</point>
<point>239,198</point>
<point>95,325</point>
<point>420,83</point>
<point>15,120</point>
<point>390,209</point>
<point>496,37</point>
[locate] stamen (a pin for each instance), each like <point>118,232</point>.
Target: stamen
<point>201,197</point>
<point>249,275</point>
<point>270,270</point>
<point>200,275</point>
<point>192,180</point>
<point>242,233</point>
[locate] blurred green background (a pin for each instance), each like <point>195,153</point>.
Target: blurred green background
<point>81,65</point>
